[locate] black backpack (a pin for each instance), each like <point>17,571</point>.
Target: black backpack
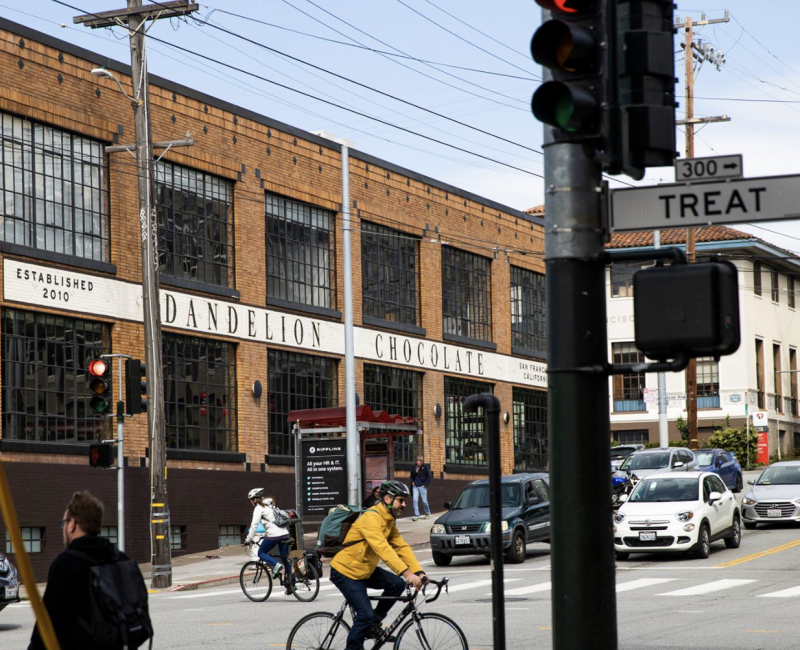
<point>118,602</point>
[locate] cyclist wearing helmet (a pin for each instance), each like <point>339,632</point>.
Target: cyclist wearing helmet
<point>264,513</point>
<point>372,538</point>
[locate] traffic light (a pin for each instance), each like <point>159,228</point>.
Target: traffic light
<point>100,386</point>
<point>101,455</point>
<point>135,386</point>
<point>571,46</point>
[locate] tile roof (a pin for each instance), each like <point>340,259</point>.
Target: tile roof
<point>676,236</point>
<point>537,209</point>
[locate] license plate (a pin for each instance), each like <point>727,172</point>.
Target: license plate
<point>774,512</point>
<point>647,536</point>
<point>462,539</point>
<point>11,592</point>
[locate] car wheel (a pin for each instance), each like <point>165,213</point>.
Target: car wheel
<point>750,525</point>
<point>703,549</point>
<point>439,559</point>
<point>516,553</point>
<point>735,537</point>
<point>739,485</point>
<point>622,556</point>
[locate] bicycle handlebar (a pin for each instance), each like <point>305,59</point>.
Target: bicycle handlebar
<point>411,594</point>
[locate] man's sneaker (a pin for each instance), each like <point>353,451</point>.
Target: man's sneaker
<point>425,516</point>
<point>289,591</point>
<point>375,631</point>
<point>277,570</point>
<point>414,518</point>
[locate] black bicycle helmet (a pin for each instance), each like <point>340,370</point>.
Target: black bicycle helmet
<point>394,489</point>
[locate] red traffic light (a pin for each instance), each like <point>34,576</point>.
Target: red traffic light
<point>567,6</point>
<point>100,386</point>
<point>98,367</point>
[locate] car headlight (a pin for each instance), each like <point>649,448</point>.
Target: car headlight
<point>503,526</point>
<point>797,501</point>
<point>619,518</point>
<point>438,529</point>
<point>685,516</point>
<point>748,502</point>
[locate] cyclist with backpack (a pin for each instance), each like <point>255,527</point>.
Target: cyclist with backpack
<point>371,538</point>
<point>265,512</point>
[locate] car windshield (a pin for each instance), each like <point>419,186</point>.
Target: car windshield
<point>787,475</point>
<point>704,457</point>
<point>477,496</point>
<point>620,452</point>
<point>666,489</point>
<point>646,461</point>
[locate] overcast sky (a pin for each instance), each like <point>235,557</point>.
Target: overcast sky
<point>762,62</point>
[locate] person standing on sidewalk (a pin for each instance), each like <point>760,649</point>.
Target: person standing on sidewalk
<point>420,480</point>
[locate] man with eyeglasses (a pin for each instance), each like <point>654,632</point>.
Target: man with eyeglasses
<point>67,594</point>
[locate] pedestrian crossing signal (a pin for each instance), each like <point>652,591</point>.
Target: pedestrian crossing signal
<point>101,455</point>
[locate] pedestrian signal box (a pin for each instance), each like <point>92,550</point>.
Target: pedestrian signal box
<point>101,455</point>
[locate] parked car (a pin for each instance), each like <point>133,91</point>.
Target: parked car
<point>723,464</point>
<point>620,453</point>
<point>662,459</point>
<point>9,583</point>
<point>464,529</point>
<point>775,495</point>
<point>676,512</point>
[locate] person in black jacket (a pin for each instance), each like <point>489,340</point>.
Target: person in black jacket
<point>67,594</point>
<point>420,480</point>
<point>372,498</point>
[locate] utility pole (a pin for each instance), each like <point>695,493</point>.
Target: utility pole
<point>663,423</point>
<point>692,52</point>
<point>134,18</point>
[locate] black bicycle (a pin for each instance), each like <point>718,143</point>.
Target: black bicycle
<point>302,580</point>
<point>428,631</point>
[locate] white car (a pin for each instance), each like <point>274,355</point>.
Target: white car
<point>675,512</point>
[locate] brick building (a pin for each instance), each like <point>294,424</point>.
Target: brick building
<point>251,290</point>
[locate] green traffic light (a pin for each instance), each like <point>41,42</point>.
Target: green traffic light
<point>563,112</point>
<point>99,404</point>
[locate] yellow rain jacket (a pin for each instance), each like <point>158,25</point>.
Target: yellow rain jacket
<point>376,538</point>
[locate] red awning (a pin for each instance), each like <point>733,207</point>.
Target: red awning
<point>336,417</point>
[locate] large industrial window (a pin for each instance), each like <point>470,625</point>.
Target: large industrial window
<point>199,393</point>
<point>195,225</point>
<point>397,392</point>
<point>296,381</point>
<point>530,430</point>
<point>466,294</point>
<point>52,190</point>
<point>390,274</point>
<point>528,310</point>
<point>465,433</point>
<point>300,253</point>
<point>45,392</point>
<point>628,387</point>
<point>707,383</point>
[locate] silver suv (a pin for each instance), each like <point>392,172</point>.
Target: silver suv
<point>620,453</point>
<point>662,459</point>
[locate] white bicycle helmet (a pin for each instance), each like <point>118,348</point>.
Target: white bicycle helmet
<point>255,493</point>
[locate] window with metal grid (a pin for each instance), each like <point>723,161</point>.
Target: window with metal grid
<point>45,389</point>
<point>530,430</point>
<point>230,535</point>
<point>528,310</point>
<point>111,533</point>
<point>52,190</point>
<point>622,278</point>
<point>390,274</point>
<point>466,294</point>
<point>32,540</point>
<point>301,258</point>
<point>635,437</point>
<point>177,538</point>
<point>199,393</point>
<point>398,392</point>
<point>465,433</point>
<point>628,393</point>
<point>195,224</point>
<point>296,381</point>
<point>707,383</point>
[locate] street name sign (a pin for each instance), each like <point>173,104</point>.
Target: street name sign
<point>691,170</point>
<point>686,205</point>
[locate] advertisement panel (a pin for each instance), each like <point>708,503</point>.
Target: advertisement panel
<point>323,476</point>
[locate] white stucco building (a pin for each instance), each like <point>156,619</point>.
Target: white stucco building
<point>747,381</point>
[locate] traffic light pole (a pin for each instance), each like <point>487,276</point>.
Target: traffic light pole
<point>120,467</point>
<point>584,596</point>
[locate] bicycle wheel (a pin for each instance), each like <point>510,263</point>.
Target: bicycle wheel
<point>430,632</point>
<point>318,631</point>
<point>256,581</point>
<point>307,588</point>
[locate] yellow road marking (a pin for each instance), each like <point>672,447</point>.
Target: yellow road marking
<point>545,628</point>
<point>760,554</point>
<point>153,591</point>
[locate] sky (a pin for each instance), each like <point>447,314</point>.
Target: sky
<point>486,83</point>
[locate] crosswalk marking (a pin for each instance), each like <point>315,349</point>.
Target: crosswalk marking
<point>210,592</point>
<point>519,591</point>
<point>477,583</point>
<point>707,588</point>
<point>785,593</point>
<point>641,583</point>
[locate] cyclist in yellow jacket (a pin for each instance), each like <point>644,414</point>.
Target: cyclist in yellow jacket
<point>354,569</point>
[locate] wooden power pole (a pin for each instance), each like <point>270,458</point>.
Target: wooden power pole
<point>691,52</point>
<point>135,18</point>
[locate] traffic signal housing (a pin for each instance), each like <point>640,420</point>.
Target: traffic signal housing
<point>135,386</point>
<point>100,386</point>
<point>101,455</point>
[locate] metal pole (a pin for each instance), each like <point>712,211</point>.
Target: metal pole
<point>747,426</point>
<point>120,466</point>
<point>160,524</point>
<point>582,549</point>
<point>663,424</point>
<point>491,407</point>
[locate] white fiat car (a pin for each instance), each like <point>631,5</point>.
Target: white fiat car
<point>676,512</point>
